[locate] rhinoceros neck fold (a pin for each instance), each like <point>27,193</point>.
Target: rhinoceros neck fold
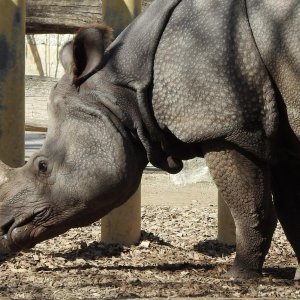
<point>129,64</point>
<point>121,103</point>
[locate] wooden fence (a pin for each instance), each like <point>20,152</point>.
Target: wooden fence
<point>63,16</point>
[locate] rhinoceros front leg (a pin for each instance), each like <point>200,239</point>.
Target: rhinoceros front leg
<point>245,186</point>
<point>286,195</point>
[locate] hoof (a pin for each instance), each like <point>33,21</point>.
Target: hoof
<point>297,274</point>
<point>242,274</point>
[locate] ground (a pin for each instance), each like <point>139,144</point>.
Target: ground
<point>178,256</point>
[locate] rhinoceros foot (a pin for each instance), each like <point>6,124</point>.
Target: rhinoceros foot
<point>237,273</point>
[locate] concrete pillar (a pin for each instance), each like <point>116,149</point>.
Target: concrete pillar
<point>12,72</point>
<point>119,13</point>
<point>123,224</point>
<point>226,226</point>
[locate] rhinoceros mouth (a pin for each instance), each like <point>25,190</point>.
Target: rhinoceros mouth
<point>4,238</point>
<point>4,245</point>
<point>8,243</point>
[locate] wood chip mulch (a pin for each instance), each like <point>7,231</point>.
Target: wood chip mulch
<point>178,256</point>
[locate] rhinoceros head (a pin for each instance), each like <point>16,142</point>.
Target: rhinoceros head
<point>88,164</point>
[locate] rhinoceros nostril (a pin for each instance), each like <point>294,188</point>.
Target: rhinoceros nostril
<point>6,226</point>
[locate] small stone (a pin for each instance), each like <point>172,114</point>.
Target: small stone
<point>145,244</point>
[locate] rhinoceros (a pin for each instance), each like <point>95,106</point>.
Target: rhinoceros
<point>217,79</point>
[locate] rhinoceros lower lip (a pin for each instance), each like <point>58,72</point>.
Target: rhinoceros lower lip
<point>4,246</point>
<point>16,233</point>
<point>8,243</point>
<point>4,238</point>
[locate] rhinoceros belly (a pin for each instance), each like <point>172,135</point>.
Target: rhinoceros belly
<point>209,79</point>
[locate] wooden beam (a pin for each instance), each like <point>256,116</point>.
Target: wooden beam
<point>37,91</point>
<point>63,16</point>
<point>12,60</point>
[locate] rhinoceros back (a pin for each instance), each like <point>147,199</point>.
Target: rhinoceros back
<point>276,29</point>
<point>209,79</point>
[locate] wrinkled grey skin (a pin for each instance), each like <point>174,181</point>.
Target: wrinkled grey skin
<point>217,79</point>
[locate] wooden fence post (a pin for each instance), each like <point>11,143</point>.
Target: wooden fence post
<point>123,224</point>
<point>12,82</point>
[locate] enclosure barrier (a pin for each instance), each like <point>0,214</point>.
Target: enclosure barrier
<point>123,224</point>
<point>12,72</point>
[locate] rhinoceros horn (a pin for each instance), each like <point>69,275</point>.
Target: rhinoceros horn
<point>3,173</point>
<point>3,178</point>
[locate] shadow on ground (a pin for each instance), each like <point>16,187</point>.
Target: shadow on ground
<point>280,273</point>
<point>213,248</point>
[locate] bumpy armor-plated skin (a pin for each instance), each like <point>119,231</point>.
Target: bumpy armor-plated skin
<point>228,71</point>
<point>211,86</point>
<point>209,78</point>
<point>275,25</point>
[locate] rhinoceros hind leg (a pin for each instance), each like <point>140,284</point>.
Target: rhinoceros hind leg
<point>244,184</point>
<point>286,196</point>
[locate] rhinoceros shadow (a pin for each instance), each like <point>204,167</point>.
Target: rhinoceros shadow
<point>5,257</point>
<point>97,250</point>
<point>151,237</point>
<point>93,251</point>
<point>282,273</point>
<point>213,248</point>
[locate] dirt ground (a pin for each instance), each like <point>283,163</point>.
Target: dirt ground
<point>158,189</point>
<point>177,256</point>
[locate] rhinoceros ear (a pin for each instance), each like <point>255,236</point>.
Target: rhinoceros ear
<point>66,56</point>
<point>88,50</point>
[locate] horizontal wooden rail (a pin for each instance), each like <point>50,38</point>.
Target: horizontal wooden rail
<point>63,16</point>
<point>37,91</point>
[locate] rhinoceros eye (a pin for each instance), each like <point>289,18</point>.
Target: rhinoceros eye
<point>43,166</point>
